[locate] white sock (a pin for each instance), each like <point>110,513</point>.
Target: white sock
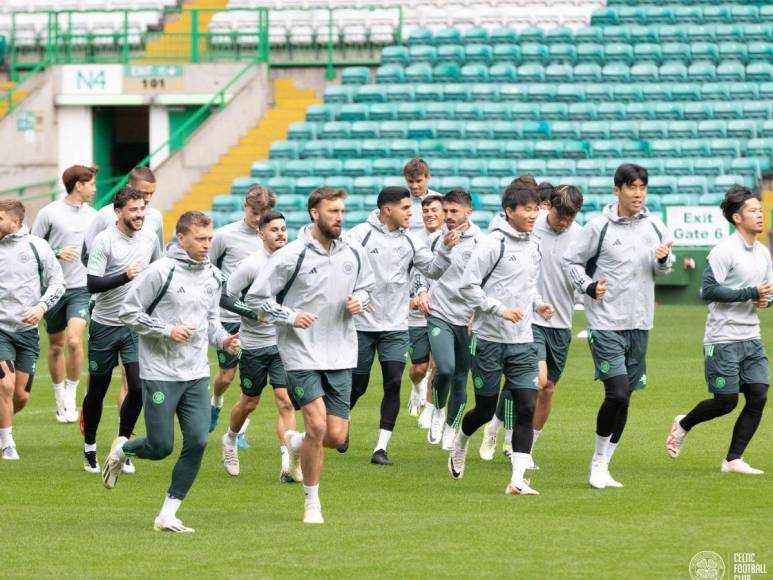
<point>70,385</point>
<point>429,408</point>
<point>231,436</point>
<point>59,392</point>
<point>285,457</point>
<point>494,425</point>
<point>297,440</point>
<point>89,447</point>
<point>6,438</point>
<point>519,461</point>
<point>170,507</point>
<point>508,437</point>
<point>243,430</point>
<point>535,435</point>
<point>610,450</point>
<point>423,389</point>
<point>601,447</point>
<point>217,401</point>
<point>311,494</point>
<point>383,440</point>
<point>461,440</point>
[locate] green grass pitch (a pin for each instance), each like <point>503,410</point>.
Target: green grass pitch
<point>410,520</point>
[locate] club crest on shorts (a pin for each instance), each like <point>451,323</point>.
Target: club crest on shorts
<point>298,392</point>
<point>158,397</point>
<point>247,383</point>
<point>604,366</point>
<point>720,382</point>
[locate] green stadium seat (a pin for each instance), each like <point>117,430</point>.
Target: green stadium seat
<point>292,202</point>
<point>421,129</point>
<point>501,168</point>
<point>559,73</point>
<point>339,94</point>
<point>393,130</point>
<point>698,111</point>
<point>455,91</point>
<point>299,167</point>
<point>541,93</point>
<point>646,72</point>
<point>616,53</point>
<point>746,166</point>
<point>716,14</point>
<point>665,148</point>
<point>475,73</point>
<point>452,182</point>
<point>559,34</point>
<point>281,185</point>
<point>518,150</point>
<point>757,110</point>
<point>665,15</point>
<point>422,54</point>
<point>727,110</point>
<point>742,129</point>
<point>590,34</point>
<point>335,130</point>
<point>500,36</point>
<point>403,148</point>
<point>346,148</point>
<point>760,51</point>
<point>759,71</point>
<point>684,14</point>
<point>355,167</point>
<point>460,148</point>
<point>475,35</point>
<point>757,32</point>
<point>353,112</point>
<point>554,112</point>
<point>561,166</point>
<point>714,91</point>
<point>495,111</point>
<point>366,185</point>
<point>524,111</point>
<point>421,36</point>
<point>678,199</point>
<point>643,34</point>
<point>535,130</point>
<point>624,130</point>
<point>676,52</point>
<point>419,72</point>
<point>316,150</point>
<point>605,17</point>
<point>576,150</point>
<point>628,93</point>
<point>478,53</point>
<point>488,148</point>
<point>654,202</point>
<point>341,182</point>
<point>606,149</point>
<point>388,166</point>
<point>531,34</point>
<point>702,71</point>
<point>296,218</point>
<point>562,52</point>
<point>590,202</point>
<point>590,52</point>
<point>668,110</point>
<point>355,75</point>
<point>731,71</point>
<point>708,166</point>
<point>744,13</point>
<point>598,186</point>
<point>370,94</point>
<point>262,170</point>
<point>400,93</point>
<point>450,53</point>
<point>656,92</point>
<point>410,111</point>
<point>594,130</point>
<point>532,166</point>
<point>549,149</point>
<point>587,73</point>
<point>283,150</point>
<point>383,111</point>
<point>428,93</point>
<point>507,53</point>
<point>653,130</point>
<point>617,34</point>
<point>301,131</point>
<point>673,72</point>
<point>448,36</point>
<point>320,113</point>
<point>365,130</point>
<point>582,111</point>
<point>696,148</point>
<point>227,203</point>
<point>692,184</point>
<point>611,111</point>
<point>710,199</point>
<point>478,130</point>
<point>533,52</point>
<point>662,185</point>
<point>725,148</point>
<point>484,91</point>
<point>682,129</point>
<point>467,111</point>
<point>675,33</point>
<point>565,130</point>
<point>733,51</point>
<point>704,52</point>
<point>678,167</point>
<point>356,217</point>
<point>486,186</point>
<point>447,72</point>
<point>638,111</point>
<point>744,91</point>
<point>395,55</point>
<point>449,130</point>
<point>687,91</point>
<point>388,73</point>
<point>503,73</point>
<point>598,92</point>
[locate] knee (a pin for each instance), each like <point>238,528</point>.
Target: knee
<point>336,439</point>
<point>316,429</point>
<point>284,406</point>
<point>444,371</point>
<point>6,387</point>
<point>20,401</point>
<point>757,400</point>
<point>74,343</point>
<point>195,443</point>
<point>251,403</point>
<point>160,449</point>
<point>617,398</point>
<point>548,388</point>
<point>56,348</point>
<point>524,411</point>
<point>420,369</point>
<point>726,403</point>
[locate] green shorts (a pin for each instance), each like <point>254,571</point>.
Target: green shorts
<point>553,348</point>
<point>257,367</point>
<point>491,360</point>
<point>392,346</point>
<point>419,349</point>
<point>335,388</point>
<point>226,360</point>
<point>105,343</point>
<point>620,352</point>
<point>23,348</point>
<point>728,365</point>
<point>73,304</point>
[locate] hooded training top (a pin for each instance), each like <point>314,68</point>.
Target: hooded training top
<point>232,244</point>
<point>175,290</point>
<point>417,319</point>
<point>62,224</point>
<point>553,284</point>
<point>737,268</point>
<point>21,275</point>
<point>392,255</point>
<point>254,334</point>
<point>446,302</point>
<point>308,278</point>
<point>417,221</point>
<point>627,261</point>
<point>112,252</point>
<point>153,224</point>
<point>502,273</point>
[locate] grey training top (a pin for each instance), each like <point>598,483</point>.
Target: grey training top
<point>254,334</point>
<point>62,224</point>
<point>154,224</point>
<point>112,253</point>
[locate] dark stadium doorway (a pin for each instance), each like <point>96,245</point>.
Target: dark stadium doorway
<point>121,141</point>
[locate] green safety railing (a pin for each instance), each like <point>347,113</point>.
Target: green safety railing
<point>52,192</point>
<point>184,131</point>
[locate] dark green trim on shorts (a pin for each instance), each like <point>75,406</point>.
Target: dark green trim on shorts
<point>334,387</point>
<point>23,348</point>
<point>73,304</point>
<point>106,343</point>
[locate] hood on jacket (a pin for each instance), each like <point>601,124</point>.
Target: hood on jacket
<point>508,230</point>
<point>23,231</point>
<point>374,222</point>
<point>176,253</point>
<point>610,212</point>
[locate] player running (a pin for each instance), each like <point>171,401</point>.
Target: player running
<point>173,307</point>
<point>614,261</point>
<point>500,284</point>
<point>118,255</point>
<point>63,224</point>
<point>738,280</point>
<point>393,252</point>
<point>232,244</point>
<point>259,360</point>
<point>312,289</point>
<point>31,283</point>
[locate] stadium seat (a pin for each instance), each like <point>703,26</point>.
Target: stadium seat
<point>692,184</point>
<point>447,72</point>
<point>355,76</point>
<point>356,167</point>
<point>263,170</point>
<point>419,72</point>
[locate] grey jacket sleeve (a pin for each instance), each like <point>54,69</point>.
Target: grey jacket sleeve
<point>482,260</point>
<point>432,265</point>
<point>663,268</point>
<point>42,225</point>
<point>216,334</point>
<point>262,294</point>
<point>366,280</point>
<point>53,278</point>
<point>142,293</point>
<point>577,255</point>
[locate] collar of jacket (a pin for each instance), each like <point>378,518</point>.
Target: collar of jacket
<point>179,255</point>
